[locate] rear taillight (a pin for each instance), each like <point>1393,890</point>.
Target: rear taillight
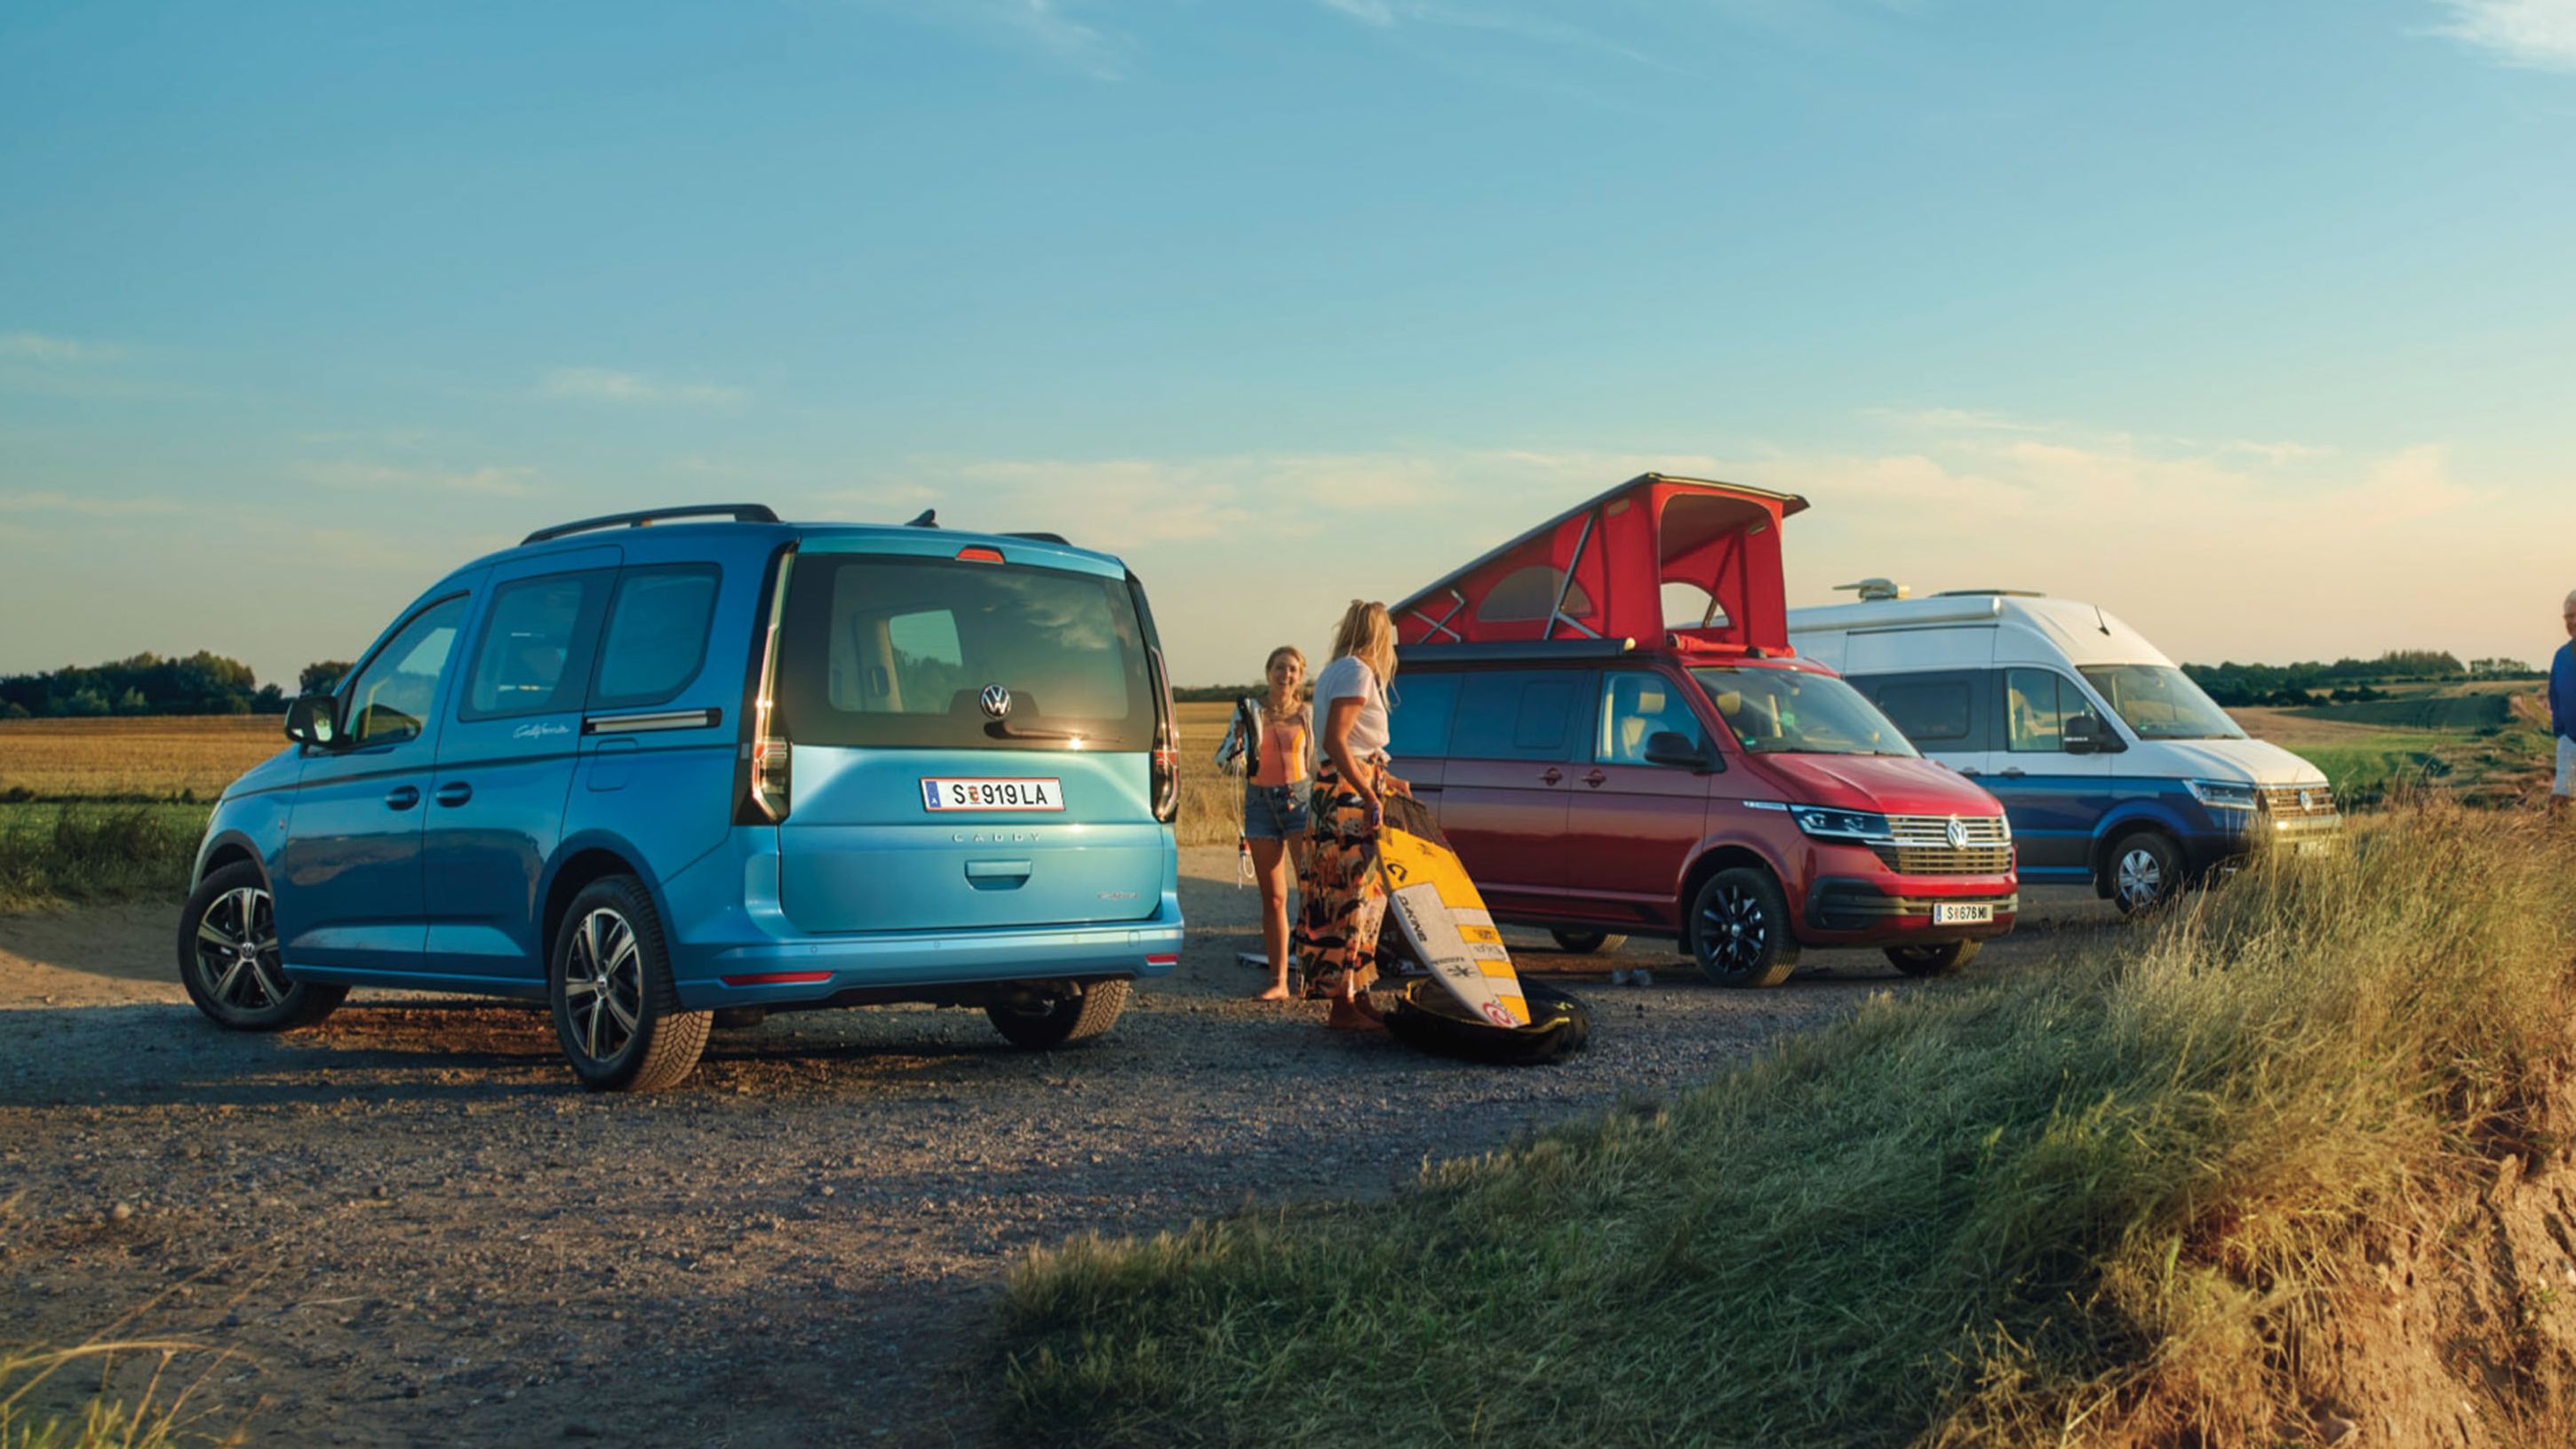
<point>766,759</point>
<point>1167,754</point>
<point>772,767</point>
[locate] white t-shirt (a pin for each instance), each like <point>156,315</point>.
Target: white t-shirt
<point>1349,677</point>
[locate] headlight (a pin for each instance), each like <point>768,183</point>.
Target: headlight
<point>1841,824</point>
<point>2223,794</point>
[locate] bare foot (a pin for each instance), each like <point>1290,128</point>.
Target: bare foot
<point>1278,992</point>
<point>1346,1017</point>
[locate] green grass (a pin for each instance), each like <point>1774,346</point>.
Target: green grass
<point>58,854</point>
<point>151,1422</point>
<point>2092,1199</point>
<point>2456,713</point>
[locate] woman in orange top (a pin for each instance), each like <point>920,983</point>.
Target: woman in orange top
<point>1274,801</point>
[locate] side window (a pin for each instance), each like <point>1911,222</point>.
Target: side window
<point>393,694</point>
<point>656,639</point>
<point>1417,717</point>
<point>535,649</point>
<point>1636,706</point>
<point>1933,710</point>
<point>1519,715</point>
<point>2034,721</point>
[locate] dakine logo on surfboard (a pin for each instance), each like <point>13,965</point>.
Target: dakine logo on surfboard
<point>996,700</point>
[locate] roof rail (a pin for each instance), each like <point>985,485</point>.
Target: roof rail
<point>1990,594</point>
<point>738,512</point>
<point>1515,650</point>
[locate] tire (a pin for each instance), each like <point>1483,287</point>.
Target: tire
<point>1426,1017</point>
<point>1739,929</point>
<point>1587,943</point>
<point>2142,871</point>
<point>228,957</point>
<point>616,1013</point>
<point>1942,960</point>
<point>1069,1021</point>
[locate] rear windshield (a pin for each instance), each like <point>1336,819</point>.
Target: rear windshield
<point>901,653</point>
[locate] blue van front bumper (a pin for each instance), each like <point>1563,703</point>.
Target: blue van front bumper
<point>738,947</point>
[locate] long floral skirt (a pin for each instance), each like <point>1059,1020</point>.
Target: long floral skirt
<point>1342,898</point>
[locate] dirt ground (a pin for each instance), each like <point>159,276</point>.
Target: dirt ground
<point>407,1227</point>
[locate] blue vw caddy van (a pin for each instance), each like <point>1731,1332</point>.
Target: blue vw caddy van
<point>718,764</point>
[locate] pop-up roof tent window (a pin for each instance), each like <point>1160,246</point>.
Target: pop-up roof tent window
<point>1656,559</point>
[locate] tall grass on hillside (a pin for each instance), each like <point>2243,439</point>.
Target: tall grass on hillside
<point>2102,1199</point>
<point>53,855</point>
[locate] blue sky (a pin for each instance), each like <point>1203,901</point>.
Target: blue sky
<point>2252,323</point>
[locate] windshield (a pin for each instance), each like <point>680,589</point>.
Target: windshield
<point>900,652</point>
<point>2160,702</point>
<point>1788,712</point>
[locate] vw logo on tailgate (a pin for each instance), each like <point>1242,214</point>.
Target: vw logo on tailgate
<point>996,700</point>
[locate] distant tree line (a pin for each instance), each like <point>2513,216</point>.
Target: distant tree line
<point>201,683</point>
<point>2345,681</point>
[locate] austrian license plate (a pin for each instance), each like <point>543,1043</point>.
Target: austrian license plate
<point>1964,913</point>
<point>1013,794</point>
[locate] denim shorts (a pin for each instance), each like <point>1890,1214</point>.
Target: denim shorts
<point>1275,812</point>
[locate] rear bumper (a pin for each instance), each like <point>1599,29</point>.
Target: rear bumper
<point>740,949</point>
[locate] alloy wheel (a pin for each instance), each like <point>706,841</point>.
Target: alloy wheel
<point>1732,931</point>
<point>2141,877</point>
<point>236,951</point>
<point>604,984</point>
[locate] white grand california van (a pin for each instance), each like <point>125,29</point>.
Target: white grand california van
<point>2113,766</point>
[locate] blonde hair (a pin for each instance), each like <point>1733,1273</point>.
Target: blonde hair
<point>1368,635</point>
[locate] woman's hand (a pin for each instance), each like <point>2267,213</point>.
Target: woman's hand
<point>1355,777</point>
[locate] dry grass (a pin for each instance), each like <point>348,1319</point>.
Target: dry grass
<point>1211,801</point>
<point>151,1421</point>
<point>168,757</point>
<point>2100,1201</point>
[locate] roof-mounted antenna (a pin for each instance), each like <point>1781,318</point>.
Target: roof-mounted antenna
<point>2101,623</point>
<point>929,519</point>
<point>1874,591</point>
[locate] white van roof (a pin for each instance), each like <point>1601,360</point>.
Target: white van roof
<point>2029,627</point>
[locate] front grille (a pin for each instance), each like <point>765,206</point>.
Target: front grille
<point>1923,846</point>
<point>2298,801</point>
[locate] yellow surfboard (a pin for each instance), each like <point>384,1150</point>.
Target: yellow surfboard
<point>1441,914</point>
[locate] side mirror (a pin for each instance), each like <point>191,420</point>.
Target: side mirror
<point>313,719</point>
<point>2088,735</point>
<point>1671,747</point>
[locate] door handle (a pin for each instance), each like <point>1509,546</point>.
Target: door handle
<point>402,797</point>
<point>455,792</point>
<point>1594,779</point>
<point>2013,773</point>
<point>1972,772</point>
<point>1553,775</point>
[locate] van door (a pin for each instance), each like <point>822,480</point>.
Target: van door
<point>1631,826</point>
<point>2054,799</point>
<point>1507,781</point>
<point>505,763</point>
<point>970,746</point>
<point>349,892</point>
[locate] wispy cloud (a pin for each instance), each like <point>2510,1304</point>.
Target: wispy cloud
<point>51,501</point>
<point>599,384</point>
<point>1050,28</point>
<point>499,482</point>
<point>2540,34</point>
<point>37,347</point>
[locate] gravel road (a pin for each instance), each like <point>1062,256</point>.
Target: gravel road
<point>408,1228</point>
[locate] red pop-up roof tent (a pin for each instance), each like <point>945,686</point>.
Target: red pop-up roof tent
<point>1600,570</point>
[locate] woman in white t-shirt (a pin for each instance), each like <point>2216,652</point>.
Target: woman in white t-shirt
<point>1343,899</point>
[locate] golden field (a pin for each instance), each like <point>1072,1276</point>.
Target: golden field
<point>151,757</point>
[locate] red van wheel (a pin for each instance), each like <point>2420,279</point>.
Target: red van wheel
<point>1739,924</point>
